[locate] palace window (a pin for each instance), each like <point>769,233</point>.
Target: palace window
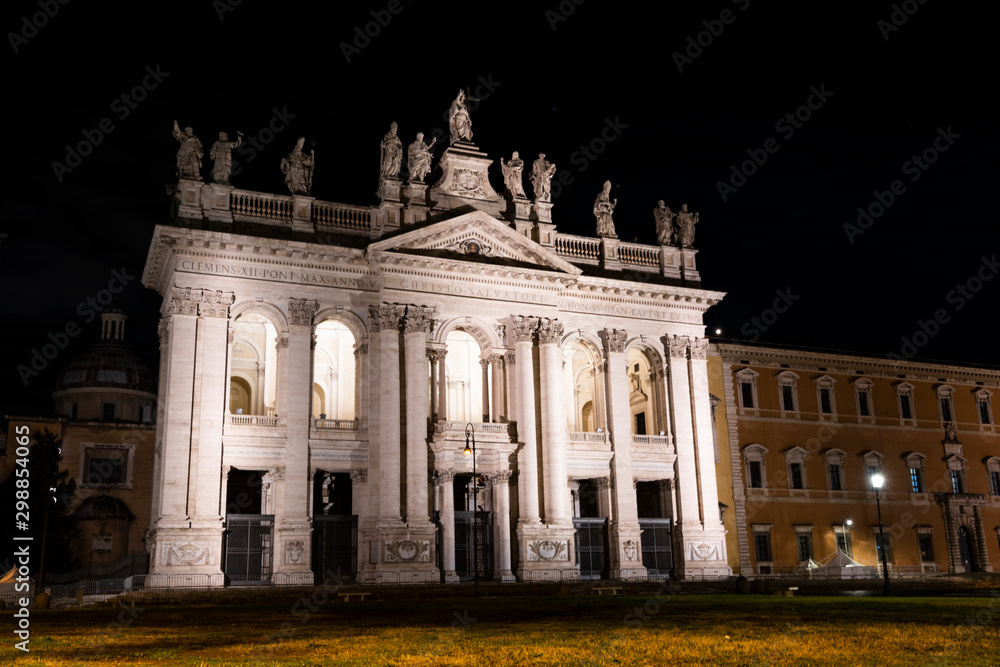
<point>863,399</point>
<point>825,396</point>
<point>983,407</point>
<point>883,540</point>
<point>787,392</point>
<point>795,459</point>
<point>835,469</point>
<point>873,466</point>
<point>904,397</point>
<point>957,481</point>
<point>106,466</point>
<point>754,457</point>
<point>956,473</point>
<point>746,379</point>
<point>915,466</point>
<point>109,411</point>
<point>925,544</point>
<point>842,533</point>
<point>762,547</point>
<point>804,543</point>
<point>946,404</point>
<point>993,474</point>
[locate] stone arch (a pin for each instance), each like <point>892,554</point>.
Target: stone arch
<point>262,374</point>
<point>647,389</point>
<point>482,332</point>
<point>348,318</point>
<point>268,310</point>
<point>584,381</point>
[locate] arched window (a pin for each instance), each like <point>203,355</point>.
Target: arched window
<point>334,371</point>
<point>640,382</point>
<point>464,378</point>
<point>584,394</point>
<point>253,380</point>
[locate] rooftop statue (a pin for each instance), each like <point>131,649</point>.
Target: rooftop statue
<point>512,175</point>
<point>459,121</point>
<point>189,154</point>
<point>222,156</point>
<point>685,227</point>
<point>541,178</point>
<point>604,206</point>
<point>419,155</point>
<point>664,224</point>
<point>298,169</point>
<point>392,154</point>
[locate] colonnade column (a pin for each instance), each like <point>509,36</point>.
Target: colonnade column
<point>497,411</point>
<point>484,364</point>
<point>701,401</point>
<point>384,322</point>
<point>624,529</point>
<point>360,373</point>
<point>501,522</point>
<point>434,356</point>
<point>416,325</point>
<point>688,506</point>
<point>509,359</point>
<point>521,331</point>
<point>552,397</point>
<point>446,487</point>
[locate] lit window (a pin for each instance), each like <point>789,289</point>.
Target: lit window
<point>957,483</point>
<point>915,465</point>
<point>873,466</point>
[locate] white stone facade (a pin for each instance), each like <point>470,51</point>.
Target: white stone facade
<point>362,342</point>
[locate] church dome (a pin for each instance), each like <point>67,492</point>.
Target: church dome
<point>108,363</point>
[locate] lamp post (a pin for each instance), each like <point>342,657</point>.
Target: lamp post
<point>877,482</point>
<point>470,433</point>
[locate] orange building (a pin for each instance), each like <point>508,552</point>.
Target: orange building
<point>804,432</point>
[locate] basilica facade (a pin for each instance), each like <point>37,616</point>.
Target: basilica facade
<point>434,388</point>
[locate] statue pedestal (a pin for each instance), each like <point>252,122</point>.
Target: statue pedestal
<point>541,211</point>
<point>670,262</point>
<point>302,213</point>
<point>689,269</point>
<point>216,202</point>
<point>188,198</point>
<point>609,254</point>
<point>519,212</point>
<point>465,176</point>
<point>415,206</point>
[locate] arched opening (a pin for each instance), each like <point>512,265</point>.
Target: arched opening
<point>640,393</point>
<point>334,371</point>
<point>254,374</point>
<point>582,388</point>
<point>464,378</point>
<point>587,417</point>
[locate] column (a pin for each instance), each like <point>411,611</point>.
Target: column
<point>701,401</point>
<point>384,321</point>
<point>498,413</point>
<point>434,356</point>
<point>359,491</point>
<point>521,332</point>
<point>446,487</point>
<point>508,363</point>
<point>360,386</point>
<point>443,414</point>
<point>624,530</point>
<point>416,325</point>
<point>679,389</point>
<point>550,334</point>
<point>484,365</point>
<point>501,532</point>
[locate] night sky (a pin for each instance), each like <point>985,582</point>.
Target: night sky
<point>833,103</point>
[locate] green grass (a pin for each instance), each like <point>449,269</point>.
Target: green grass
<point>638,630</point>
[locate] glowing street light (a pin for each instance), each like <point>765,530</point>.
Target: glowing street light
<point>877,482</point>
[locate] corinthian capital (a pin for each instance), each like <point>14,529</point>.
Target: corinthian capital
<point>301,311</point>
<point>385,317</point>
<point>549,331</point>
<point>615,339</point>
<point>183,301</point>
<point>678,346</point>
<point>521,329</point>
<point>699,348</point>
<point>418,319</point>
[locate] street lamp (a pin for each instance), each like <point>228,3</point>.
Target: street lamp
<point>877,482</point>
<point>470,433</point>
<point>847,523</point>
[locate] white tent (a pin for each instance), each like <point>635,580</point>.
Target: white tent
<point>840,566</point>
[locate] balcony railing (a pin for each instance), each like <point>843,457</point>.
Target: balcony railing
<point>587,436</point>
<point>341,424</point>
<point>252,420</point>
<point>248,204</point>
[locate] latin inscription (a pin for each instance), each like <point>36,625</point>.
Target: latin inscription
<point>629,311</point>
<point>472,290</point>
<point>282,275</point>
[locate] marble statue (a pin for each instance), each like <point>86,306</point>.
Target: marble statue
<point>604,206</point>
<point>392,154</point>
<point>222,157</point>
<point>664,223</point>
<point>419,155</point>
<point>189,154</point>
<point>458,119</point>
<point>512,175</point>
<point>298,169</point>
<point>685,227</point>
<point>541,178</point>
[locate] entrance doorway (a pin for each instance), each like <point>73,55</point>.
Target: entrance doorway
<point>967,549</point>
<point>335,528</point>
<point>249,536</point>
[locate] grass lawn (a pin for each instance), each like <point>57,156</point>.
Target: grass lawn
<point>627,630</point>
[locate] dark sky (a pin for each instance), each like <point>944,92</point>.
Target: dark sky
<point>687,91</point>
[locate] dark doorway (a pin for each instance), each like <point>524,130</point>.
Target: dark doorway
<point>967,549</point>
<point>592,547</point>
<point>335,528</point>
<point>248,538</point>
<point>473,530</point>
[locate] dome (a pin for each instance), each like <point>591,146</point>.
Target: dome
<point>108,363</point>
<point>103,507</point>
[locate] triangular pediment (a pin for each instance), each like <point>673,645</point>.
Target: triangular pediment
<point>475,237</point>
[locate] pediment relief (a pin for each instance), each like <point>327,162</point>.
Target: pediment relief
<point>475,236</point>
